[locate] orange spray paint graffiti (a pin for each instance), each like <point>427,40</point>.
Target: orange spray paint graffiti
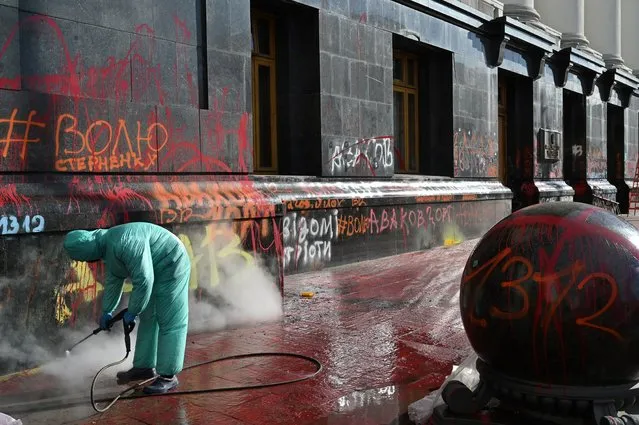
<point>185,202</point>
<point>106,147</point>
<point>25,138</point>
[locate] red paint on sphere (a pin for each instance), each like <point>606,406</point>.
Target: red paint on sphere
<point>550,294</point>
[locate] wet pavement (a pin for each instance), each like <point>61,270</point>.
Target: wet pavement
<point>386,331</point>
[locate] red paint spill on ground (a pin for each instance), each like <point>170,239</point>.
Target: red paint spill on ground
<point>387,332</point>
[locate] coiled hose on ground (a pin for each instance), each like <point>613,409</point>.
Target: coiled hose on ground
<point>129,393</point>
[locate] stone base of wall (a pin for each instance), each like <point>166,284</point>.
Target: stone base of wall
<point>283,225</point>
<point>554,190</point>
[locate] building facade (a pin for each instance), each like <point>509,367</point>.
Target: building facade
<point>302,133</point>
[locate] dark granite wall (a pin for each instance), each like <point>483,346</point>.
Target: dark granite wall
<point>474,111</point>
<point>356,68</point>
<point>182,70</point>
<point>623,152</point>
<point>596,137</point>
<point>631,145</point>
<point>617,138</point>
<point>138,87</point>
<point>548,114</point>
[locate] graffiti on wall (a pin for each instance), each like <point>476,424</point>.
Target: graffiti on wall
<point>12,225</point>
<point>18,134</point>
<point>475,154</point>
<point>597,167</point>
<point>308,238</point>
<point>111,80</point>
<point>373,156</point>
<point>606,204</point>
<point>132,112</point>
<point>103,146</point>
<point>207,246</point>
<point>631,164</point>
<point>395,229</point>
<point>180,202</point>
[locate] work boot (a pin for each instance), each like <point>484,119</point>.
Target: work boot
<point>162,384</point>
<point>135,374</point>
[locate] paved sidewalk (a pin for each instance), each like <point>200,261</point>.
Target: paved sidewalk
<point>386,331</point>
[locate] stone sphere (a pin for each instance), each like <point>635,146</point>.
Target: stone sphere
<point>550,294</point>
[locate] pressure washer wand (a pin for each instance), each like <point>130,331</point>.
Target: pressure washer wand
<point>95,332</point>
<point>117,317</point>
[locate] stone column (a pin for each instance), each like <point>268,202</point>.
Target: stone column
<point>630,34</point>
<point>603,29</point>
<point>524,10</point>
<point>566,16</point>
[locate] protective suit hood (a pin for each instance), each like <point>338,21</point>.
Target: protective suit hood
<point>85,245</point>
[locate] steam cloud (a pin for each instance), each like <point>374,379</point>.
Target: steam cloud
<point>246,294</point>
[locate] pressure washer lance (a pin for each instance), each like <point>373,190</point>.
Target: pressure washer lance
<point>115,319</point>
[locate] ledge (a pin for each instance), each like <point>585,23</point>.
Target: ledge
<point>601,187</point>
<point>554,188</point>
<point>65,202</point>
<point>321,194</point>
<point>453,12</point>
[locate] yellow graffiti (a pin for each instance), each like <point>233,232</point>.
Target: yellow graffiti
<point>22,373</point>
<point>231,248</point>
<point>87,285</point>
<point>452,235</point>
<point>218,244</point>
<point>195,259</point>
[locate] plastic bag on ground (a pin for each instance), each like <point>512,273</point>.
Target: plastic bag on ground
<point>420,411</point>
<point>8,420</point>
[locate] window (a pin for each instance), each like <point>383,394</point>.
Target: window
<point>405,112</point>
<point>264,94</point>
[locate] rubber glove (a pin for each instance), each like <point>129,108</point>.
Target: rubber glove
<point>105,320</point>
<point>129,320</point>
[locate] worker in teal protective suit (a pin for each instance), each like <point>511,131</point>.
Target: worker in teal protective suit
<point>159,267</point>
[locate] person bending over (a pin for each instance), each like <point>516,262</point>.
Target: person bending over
<point>159,267</point>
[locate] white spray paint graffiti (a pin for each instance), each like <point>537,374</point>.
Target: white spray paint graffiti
<point>308,239</point>
<point>373,153</point>
<point>11,225</point>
